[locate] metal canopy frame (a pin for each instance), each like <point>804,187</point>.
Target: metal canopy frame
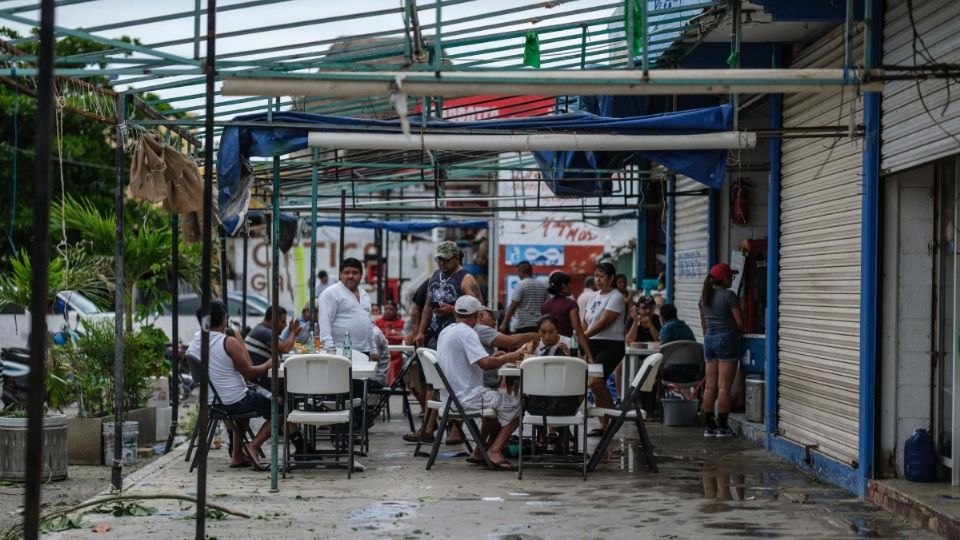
<point>574,35</point>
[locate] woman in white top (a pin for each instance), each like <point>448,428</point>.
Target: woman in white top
<point>604,323</point>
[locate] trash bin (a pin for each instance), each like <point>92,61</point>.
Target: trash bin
<point>754,398</point>
<point>680,412</point>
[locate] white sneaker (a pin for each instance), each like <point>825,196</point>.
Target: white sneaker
<point>709,433</point>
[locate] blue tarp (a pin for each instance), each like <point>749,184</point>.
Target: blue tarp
<point>239,143</point>
<point>405,226</point>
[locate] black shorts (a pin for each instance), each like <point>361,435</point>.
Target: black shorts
<point>608,352</point>
<point>251,402</point>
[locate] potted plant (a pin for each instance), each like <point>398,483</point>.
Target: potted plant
<point>13,429</point>
<point>91,362</point>
<point>70,271</point>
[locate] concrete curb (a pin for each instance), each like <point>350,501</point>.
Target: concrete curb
<point>749,431</point>
<point>913,510</point>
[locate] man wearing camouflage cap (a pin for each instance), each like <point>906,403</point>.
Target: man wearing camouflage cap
<point>449,282</point>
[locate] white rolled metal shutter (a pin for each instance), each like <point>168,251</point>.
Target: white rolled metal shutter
<point>820,230</point>
<point>910,135</point>
<point>690,252</point>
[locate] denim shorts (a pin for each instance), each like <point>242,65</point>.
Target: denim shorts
<point>723,345</point>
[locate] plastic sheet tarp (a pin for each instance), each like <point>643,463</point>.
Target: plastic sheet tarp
<point>239,143</point>
<point>405,227</point>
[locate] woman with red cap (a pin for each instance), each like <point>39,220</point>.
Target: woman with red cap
<point>722,322</point>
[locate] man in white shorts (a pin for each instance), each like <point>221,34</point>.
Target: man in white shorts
<point>463,360</point>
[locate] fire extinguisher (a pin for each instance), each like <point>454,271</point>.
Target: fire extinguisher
<point>739,202</point>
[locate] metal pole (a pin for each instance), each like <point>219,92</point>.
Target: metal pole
<point>671,235</point>
<point>223,253</point>
<point>628,31</point>
<point>735,52</point>
<point>343,220</point>
<point>243,286</point>
<point>386,266</point>
<point>869,252</point>
<point>378,240</point>
<point>275,321</point>
<point>209,68</point>
<point>493,257</point>
<point>40,260</point>
<point>772,325</point>
<point>174,329</point>
<point>583,47</point>
<point>313,234</point>
<point>116,472</point>
<point>437,48</point>
<point>644,36</point>
<point>196,30</point>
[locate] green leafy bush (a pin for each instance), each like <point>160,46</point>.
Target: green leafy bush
<point>91,363</point>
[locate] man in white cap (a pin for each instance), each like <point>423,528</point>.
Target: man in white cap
<point>463,360</point>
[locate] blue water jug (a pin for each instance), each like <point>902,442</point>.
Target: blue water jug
<point>919,457</point>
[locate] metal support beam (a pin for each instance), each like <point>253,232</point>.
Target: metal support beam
<point>175,329</point>
<point>120,288</point>
<point>869,253</point>
<point>772,323</point>
<point>40,261</point>
<point>206,272</point>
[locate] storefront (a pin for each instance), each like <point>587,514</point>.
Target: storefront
<point>919,347</point>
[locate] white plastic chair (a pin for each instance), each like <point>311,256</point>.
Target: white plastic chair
<point>553,376</point>
<point>451,407</point>
<point>316,375</point>
<point>644,381</point>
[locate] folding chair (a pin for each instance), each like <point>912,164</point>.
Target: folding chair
<point>553,377</point>
<point>216,415</point>
<point>630,409</point>
<point>397,388</point>
<point>311,375</point>
<point>452,409</point>
<point>682,367</point>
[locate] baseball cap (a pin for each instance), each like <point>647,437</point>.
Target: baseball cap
<point>467,305</point>
<point>447,250</point>
<point>721,271</point>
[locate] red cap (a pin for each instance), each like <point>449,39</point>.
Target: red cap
<point>722,271</point>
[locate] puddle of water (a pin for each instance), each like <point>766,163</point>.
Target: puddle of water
<point>543,503</point>
<point>741,529</point>
<point>515,537</point>
<point>387,510</point>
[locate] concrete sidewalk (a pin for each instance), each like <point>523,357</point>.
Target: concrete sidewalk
<point>705,489</point>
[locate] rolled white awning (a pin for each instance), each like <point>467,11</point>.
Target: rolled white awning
<point>549,82</point>
<point>730,140</point>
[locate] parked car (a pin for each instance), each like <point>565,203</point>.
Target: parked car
<point>188,304</point>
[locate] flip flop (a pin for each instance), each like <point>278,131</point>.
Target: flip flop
<point>499,466</point>
<point>596,433</point>
<point>259,467</point>
<point>453,442</point>
<point>474,461</point>
<point>239,465</point>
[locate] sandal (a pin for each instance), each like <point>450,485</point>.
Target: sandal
<point>504,465</point>
<point>453,442</point>
<point>418,437</point>
<point>599,432</point>
<point>474,461</point>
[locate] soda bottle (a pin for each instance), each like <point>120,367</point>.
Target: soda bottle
<point>315,338</point>
<point>574,345</point>
<point>348,347</point>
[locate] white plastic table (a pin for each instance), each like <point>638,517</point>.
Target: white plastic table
<point>593,370</point>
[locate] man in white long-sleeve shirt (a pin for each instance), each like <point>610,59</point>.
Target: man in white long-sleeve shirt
<point>345,308</point>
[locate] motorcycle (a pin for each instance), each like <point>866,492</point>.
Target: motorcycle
<point>186,382</point>
<point>13,376</point>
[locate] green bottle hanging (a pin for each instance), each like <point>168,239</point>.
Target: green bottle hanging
<point>531,50</point>
<point>638,23</point>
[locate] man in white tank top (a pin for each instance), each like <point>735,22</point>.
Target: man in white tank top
<point>229,369</point>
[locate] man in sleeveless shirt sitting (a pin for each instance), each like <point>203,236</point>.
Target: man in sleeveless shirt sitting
<point>230,365</point>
